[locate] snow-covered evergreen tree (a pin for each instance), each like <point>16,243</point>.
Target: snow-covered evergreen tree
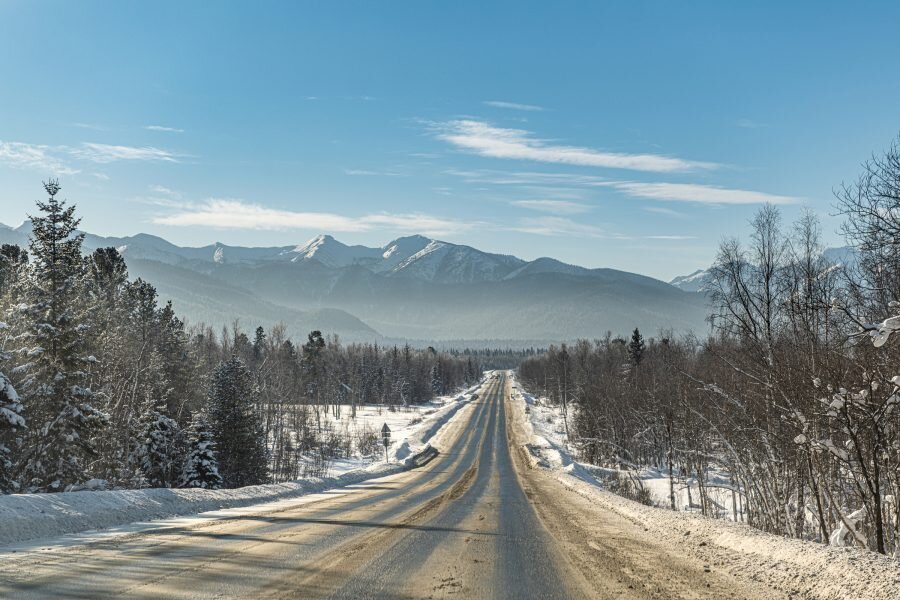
<point>201,469</point>
<point>437,386</point>
<point>11,424</point>
<point>160,455</point>
<point>237,427</point>
<point>63,423</point>
<point>13,264</point>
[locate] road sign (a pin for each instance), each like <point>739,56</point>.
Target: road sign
<point>386,439</point>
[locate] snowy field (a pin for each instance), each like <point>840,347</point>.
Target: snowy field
<point>94,514</point>
<point>411,428</point>
<point>801,569</point>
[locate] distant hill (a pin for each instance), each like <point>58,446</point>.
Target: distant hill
<point>412,288</point>
<point>206,299</point>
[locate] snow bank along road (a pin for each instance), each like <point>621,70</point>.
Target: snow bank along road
<point>477,522</point>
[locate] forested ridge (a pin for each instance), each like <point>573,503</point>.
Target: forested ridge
<point>794,394</point>
<point>102,385</point>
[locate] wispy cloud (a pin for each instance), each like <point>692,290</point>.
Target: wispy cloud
<point>525,178</point>
<point>89,126</point>
<point>559,207</point>
<point>557,227</point>
<point>163,128</point>
<point>57,160</point>
<point>228,213</point>
<point>161,189</point>
<point>702,194</point>
<point>484,139</point>
<point>672,192</point>
<point>661,210</point>
<point>513,105</point>
<point>671,237</point>
<point>360,172</point>
<point>750,124</point>
<point>21,155</point>
<point>370,173</point>
<point>106,153</point>
<point>555,192</point>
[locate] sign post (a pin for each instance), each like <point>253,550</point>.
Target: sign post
<point>385,439</point>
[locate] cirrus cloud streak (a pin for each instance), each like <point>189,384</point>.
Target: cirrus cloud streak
<point>229,213</point>
<point>561,207</point>
<point>702,194</point>
<point>484,139</point>
<point>513,105</point>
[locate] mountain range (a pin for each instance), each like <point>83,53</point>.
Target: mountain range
<point>413,288</point>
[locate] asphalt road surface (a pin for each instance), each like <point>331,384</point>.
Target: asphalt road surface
<point>476,522</point>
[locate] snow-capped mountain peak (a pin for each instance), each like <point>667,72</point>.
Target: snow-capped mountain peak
<point>695,282</point>
<point>332,253</point>
<point>313,245</point>
<point>399,250</point>
<point>432,246</point>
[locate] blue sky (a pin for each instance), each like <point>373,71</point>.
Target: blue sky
<point>633,135</point>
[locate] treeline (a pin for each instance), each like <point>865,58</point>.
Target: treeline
<point>497,358</point>
<point>102,385</point>
<point>794,393</point>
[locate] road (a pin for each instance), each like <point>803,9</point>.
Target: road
<point>476,522</point>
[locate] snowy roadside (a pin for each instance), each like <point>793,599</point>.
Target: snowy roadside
<point>34,517</point>
<point>800,569</point>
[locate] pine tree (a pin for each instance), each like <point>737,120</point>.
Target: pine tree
<point>636,347</point>
<point>11,421</point>
<point>237,427</point>
<point>201,470</point>
<point>63,424</point>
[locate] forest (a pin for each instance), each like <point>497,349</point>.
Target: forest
<point>103,386</point>
<point>794,392</point>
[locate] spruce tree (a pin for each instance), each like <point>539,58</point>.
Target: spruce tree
<point>63,424</point>
<point>201,469</point>
<point>437,386</point>
<point>11,424</point>
<point>237,427</point>
<point>160,455</point>
<point>259,344</point>
<point>13,263</point>
<point>636,347</point>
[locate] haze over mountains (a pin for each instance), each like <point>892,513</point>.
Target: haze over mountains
<point>413,287</point>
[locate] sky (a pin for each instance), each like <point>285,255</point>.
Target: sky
<point>631,135</point>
